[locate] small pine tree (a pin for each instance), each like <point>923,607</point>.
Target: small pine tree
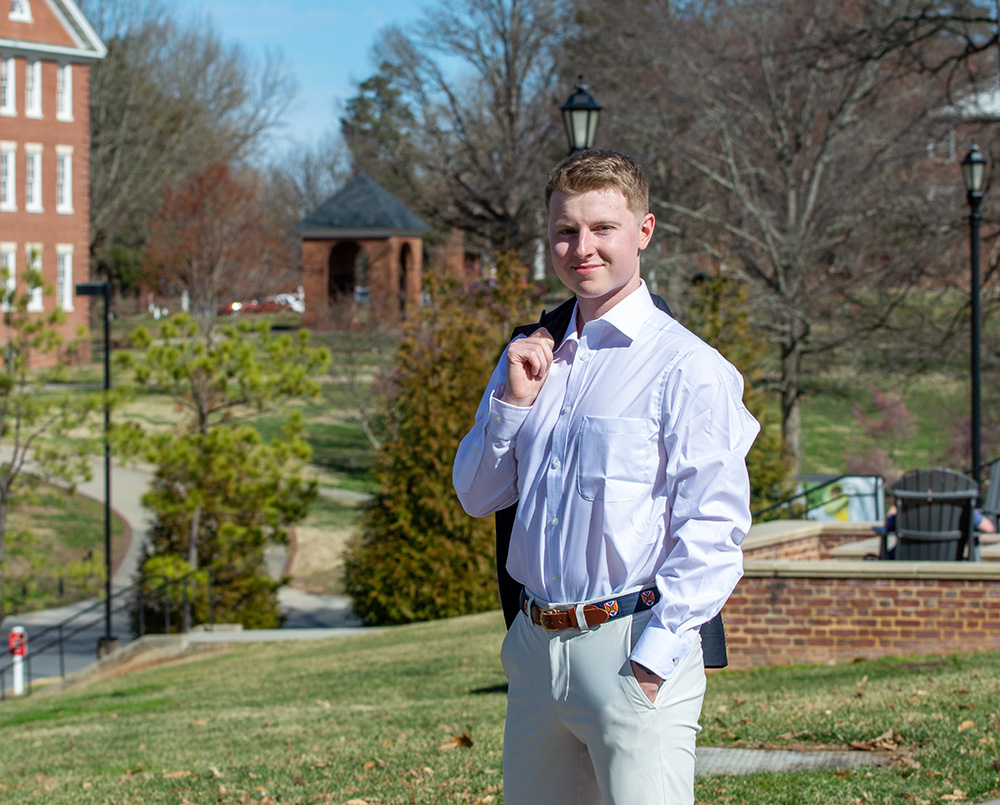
<point>719,314</point>
<point>220,494</point>
<point>419,556</point>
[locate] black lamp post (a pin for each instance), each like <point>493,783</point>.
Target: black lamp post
<point>108,642</point>
<point>974,176</point>
<point>580,114</point>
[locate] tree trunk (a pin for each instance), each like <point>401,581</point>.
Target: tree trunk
<point>791,390</point>
<point>3,544</point>
<point>193,561</point>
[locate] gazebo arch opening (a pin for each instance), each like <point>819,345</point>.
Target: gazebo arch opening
<point>405,266</point>
<point>342,276</point>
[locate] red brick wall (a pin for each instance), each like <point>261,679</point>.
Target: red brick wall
<point>795,604</point>
<point>45,28</point>
<point>806,619</point>
<point>801,548</point>
<point>384,281</point>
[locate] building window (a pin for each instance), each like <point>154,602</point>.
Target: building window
<point>8,268</point>
<point>8,197</point>
<point>8,88</point>
<point>64,179</point>
<point>20,11</point>
<point>64,276</point>
<point>33,89</point>
<point>64,92</point>
<point>33,178</point>
<point>33,255</point>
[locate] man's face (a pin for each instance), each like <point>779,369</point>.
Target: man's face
<point>595,240</point>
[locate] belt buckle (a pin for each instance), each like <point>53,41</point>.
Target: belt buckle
<point>541,619</point>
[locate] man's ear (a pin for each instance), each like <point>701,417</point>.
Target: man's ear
<point>646,227</point>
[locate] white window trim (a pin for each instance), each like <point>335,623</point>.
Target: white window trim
<point>9,68</point>
<point>20,11</point>
<point>64,159</point>
<point>33,152</point>
<point>64,99</point>
<point>35,304</point>
<point>64,274</point>
<point>9,205</point>
<point>33,89</point>
<point>11,250</point>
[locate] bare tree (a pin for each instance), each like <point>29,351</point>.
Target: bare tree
<point>304,177</point>
<point>213,238</point>
<point>479,82</point>
<point>782,137</point>
<point>168,99</point>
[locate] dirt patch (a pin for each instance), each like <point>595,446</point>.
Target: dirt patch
<point>318,560</point>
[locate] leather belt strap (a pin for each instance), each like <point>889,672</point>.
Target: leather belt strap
<point>556,619</point>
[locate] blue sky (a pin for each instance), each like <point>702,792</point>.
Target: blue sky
<point>326,44</point>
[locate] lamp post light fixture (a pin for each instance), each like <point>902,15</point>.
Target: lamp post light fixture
<point>974,176</point>
<point>580,114</point>
<point>108,642</point>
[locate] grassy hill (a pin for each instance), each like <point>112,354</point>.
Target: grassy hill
<point>415,715</point>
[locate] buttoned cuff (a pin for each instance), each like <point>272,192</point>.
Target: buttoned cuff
<point>662,651</point>
<point>504,420</point>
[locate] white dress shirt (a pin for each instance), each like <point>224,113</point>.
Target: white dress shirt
<point>628,470</point>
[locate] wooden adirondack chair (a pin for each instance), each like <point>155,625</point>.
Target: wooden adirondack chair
<point>934,515</point>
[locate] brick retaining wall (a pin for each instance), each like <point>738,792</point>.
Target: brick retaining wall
<point>795,605</point>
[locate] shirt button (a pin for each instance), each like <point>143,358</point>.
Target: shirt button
<point>565,409</point>
<point>496,417</point>
<point>554,521</point>
<point>555,464</point>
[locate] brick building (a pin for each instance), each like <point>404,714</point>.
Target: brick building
<point>46,50</point>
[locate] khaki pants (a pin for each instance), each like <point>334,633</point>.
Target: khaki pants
<point>579,729</point>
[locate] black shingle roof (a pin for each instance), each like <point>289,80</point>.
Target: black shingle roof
<point>361,209</point>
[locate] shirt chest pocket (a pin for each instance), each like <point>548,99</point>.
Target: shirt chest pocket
<point>617,458</point>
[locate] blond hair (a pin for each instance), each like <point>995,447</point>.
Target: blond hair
<point>594,169</point>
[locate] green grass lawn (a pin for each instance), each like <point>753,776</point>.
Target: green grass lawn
<point>53,535</point>
<point>415,715</point>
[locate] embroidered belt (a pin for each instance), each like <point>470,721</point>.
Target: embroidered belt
<point>552,620</point>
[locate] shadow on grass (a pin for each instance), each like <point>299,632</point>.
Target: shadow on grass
<point>490,689</point>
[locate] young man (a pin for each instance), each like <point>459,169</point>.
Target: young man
<point>624,447</point>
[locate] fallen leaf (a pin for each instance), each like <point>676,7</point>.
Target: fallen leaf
<point>324,704</point>
<point>462,741</point>
<point>957,796</point>
<point>356,802</point>
<point>887,741</point>
<point>174,775</point>
<point>199,722</point>
<point>215,772</point>
<point>966,725</point>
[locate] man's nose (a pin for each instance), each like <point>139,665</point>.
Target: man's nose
<point>584,242</point>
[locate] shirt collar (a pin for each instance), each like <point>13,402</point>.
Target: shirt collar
<point>629,315</point>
